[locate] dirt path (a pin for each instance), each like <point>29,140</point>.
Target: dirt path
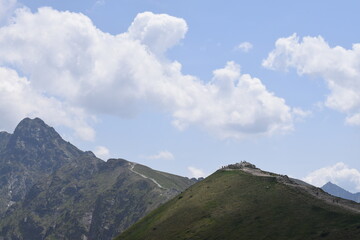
<point>132,165</point>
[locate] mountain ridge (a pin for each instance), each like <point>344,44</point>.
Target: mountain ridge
<point>338,191</point>
<point>50,189</point>
<point>241,200</point>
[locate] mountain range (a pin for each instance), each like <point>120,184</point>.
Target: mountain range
<point>49,189</point>
<point>337,191</point>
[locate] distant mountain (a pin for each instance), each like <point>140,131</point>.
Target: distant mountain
<point>337,191</point>
<point>243,202</point>
<point>49,189</point>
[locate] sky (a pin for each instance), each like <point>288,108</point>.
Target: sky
<point>189,86</point>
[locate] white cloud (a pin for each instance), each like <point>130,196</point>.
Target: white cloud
<point>235,105</point>
<point>300,114</point>
<point>100,2</point>
<point>158,32</point>
<point>196,172</point>
<point>353,119</point>
<point>244,47</point>
<point>6,9</point>
<point>88,72</point>
<point>339,67</point>
<point>163,155</point>
<point>340,174</point>
<point>102,152</point>
<point>19,99</point>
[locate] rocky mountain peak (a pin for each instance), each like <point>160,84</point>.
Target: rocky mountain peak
<point>33,151</point>
<point>330,184</point>
<point>36,144</point>
<point>33,131</point>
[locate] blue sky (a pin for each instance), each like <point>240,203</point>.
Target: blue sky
<point>188,86</point>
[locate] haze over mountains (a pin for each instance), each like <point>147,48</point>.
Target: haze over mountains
<point>49,189</point>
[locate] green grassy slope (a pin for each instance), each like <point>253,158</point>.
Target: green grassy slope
<point>237,205</point>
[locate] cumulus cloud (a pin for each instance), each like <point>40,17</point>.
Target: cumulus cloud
<point>163,155</point>
<point>6,9</point>
<point>158,32</point>
<point>235,105</point>
<point>87,72</point>
<point>19,99</point>
<point>339,67</point>
<point>196,172</point>
<point>102,152</point>
<point>340,174</point>
<point>244,46</point>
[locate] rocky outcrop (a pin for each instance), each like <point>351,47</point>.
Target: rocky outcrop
<point>240,165</point>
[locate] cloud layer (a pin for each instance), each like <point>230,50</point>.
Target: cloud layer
<point>73,72</point>
<point>339,67</point>
<point>340,174</point>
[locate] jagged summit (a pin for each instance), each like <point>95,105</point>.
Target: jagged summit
<point>33,151</point>
<point>36,129</point>
<point>36,120</point>
<point>35,135</point>
<point>38,146</point>
<point>28,123</point>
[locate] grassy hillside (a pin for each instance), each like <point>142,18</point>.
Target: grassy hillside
<point>238,205</point>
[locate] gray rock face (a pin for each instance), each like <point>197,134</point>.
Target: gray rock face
<point>49,189</point>
<point>4,139</point>
<point>31,153</point>
<point>38,146</point>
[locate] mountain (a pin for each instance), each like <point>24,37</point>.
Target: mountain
<point>337,191</point>
<point>32,152</point>
<point>243,202</point>
<point>4,139</point>
<point>52,190</point>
